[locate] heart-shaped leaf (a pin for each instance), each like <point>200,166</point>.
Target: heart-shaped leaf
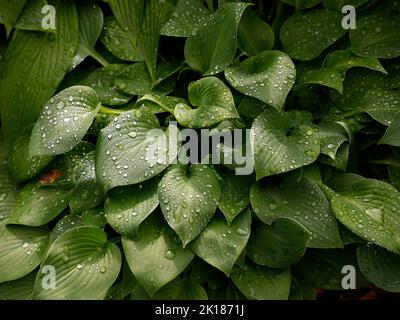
<point>269,76</point>
<point>188,199</point>
<point>85,263</point>
<point>64,121</point>
<point>22,249</point>
<point>220,245</point>
<point>156,256</point>
<point>127,207</point>
<point>262,283</point>
<point>281,144</point>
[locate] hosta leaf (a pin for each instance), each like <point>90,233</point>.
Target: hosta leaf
<point>10,11</point>
<point>299,200</point>
<point>279,245</point>
<point>213,47</point>
<point>306,34</point>
<point>214,102</point>
<point>188,199</point>
<point>31,17</point>
<point>64,121</point>
<point>182,289</point>
<point>255,35</point>
<point>369,208</point>
<point>262,283</point>
<point>300,290</point>
<point>380,266</point>
<point>339,4</point>
<point>94,217</point>
<point>327,77</point>
<point>102,81</point>
<point>22,249</point>
<point>281,145</point>
<point>86,266</point>
<point>20,289</point>
<point>156,256</point>
<point>332,136</point>
<point>117,42</point>
<point>131,150</point>
<point>392,134</point>
<point>269,76</point>
<point>66,223</point>
<point>159,102</point>
<point>382,105</point>
<point>187,18</point>
<point>37,82</point>
<point>90,26</point>
<point>35,206</point>
<point>127,207</point>
<point>235,195</point>
<point>376,36</point>
<point>301,4</point>
<point>220,245</point>
<point>250,107</point>
<point>134,80</point>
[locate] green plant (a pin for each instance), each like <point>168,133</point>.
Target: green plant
<point>85,188</point>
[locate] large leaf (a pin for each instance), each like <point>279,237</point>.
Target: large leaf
<point>213,47</point>
<point>300,200</point>
<point>380,266</point>
<point>37,62</point>
<point>261,283</point>
<point>282,145</point>
<point>269,76</point>
<point>221,245</point>
<point>369,208</point>
<point>127,207</point>
<point>86,265</point>
<point>306,34</point>
<point>64,121</point>
<point>214,102</point>
<point>188,199</point>
<point>22,249</point>
<point>130,150</point>
<point>156,256</point>
<point>279,245</point>
<point>20,289</point>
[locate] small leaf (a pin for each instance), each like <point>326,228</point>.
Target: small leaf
<point>20,289</point>
<point>220,245</point>
<point>86,266</point>
<point>22,249</point>
<point>10,11</point>
<point>134,80</point>
<point>261,283</point>
<point>159,102</point>
<point>279,245</point>
<point>332,136</point>
<point>392,134</point>
<point>31,17</point>
<point>127,207</point>
<point>306,34</point>
<point>269,76</point>
<point>327,77</point>
<point>64,121</point>
<point>156,256</point>
<point>182,289</point>
<point>188,199</point>
<point>382,105</point>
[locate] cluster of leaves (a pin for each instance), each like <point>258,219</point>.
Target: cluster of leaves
<point>78,193</point>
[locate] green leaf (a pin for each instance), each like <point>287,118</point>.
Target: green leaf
<point>392,134</point>
<point>36,81</point>
<point>66,223</point>
<point>134,80</point>
<point>382,105</point>
<point>182,289</point>
<point>86,266</point>
<point>31,17</point>
<point>255,35</point>
<point>269,76</point>
<point>279,245</point>
<point>369,208</point>
<point>379,266</point>
<point>64,121</point>
<point>213,101</point>
<point>343,60</point>
<point>262,283</point>
<point>250,107</point>
<point>301,4</point>
<point>132,149</point>
<point>332,136</point>
<point>235,195</point>
<point>376,36</point>
<point>282,145</point>
<point>90,26</point>
<point>10,11</point>
<point>35,206</point>
<point>300,290</point>
<point>213,47</point>
<point>301,200</point>
<point>328,77</point>
<point>102,81</point>
<point>339,4</point>
<point>187,18</point>
<point>220,245</point>
<point>22,249</point>
<point>188,199</point>
<point>306,34</point>
<point>117,42</point>
<point>158,102</point>
<point>127,207</point>
<point>156,256</point>
<point>20,289</point>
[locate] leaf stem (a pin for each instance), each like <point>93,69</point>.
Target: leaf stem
<point>106,110</point>
<point>352,113</point>
<point>95,55</point>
